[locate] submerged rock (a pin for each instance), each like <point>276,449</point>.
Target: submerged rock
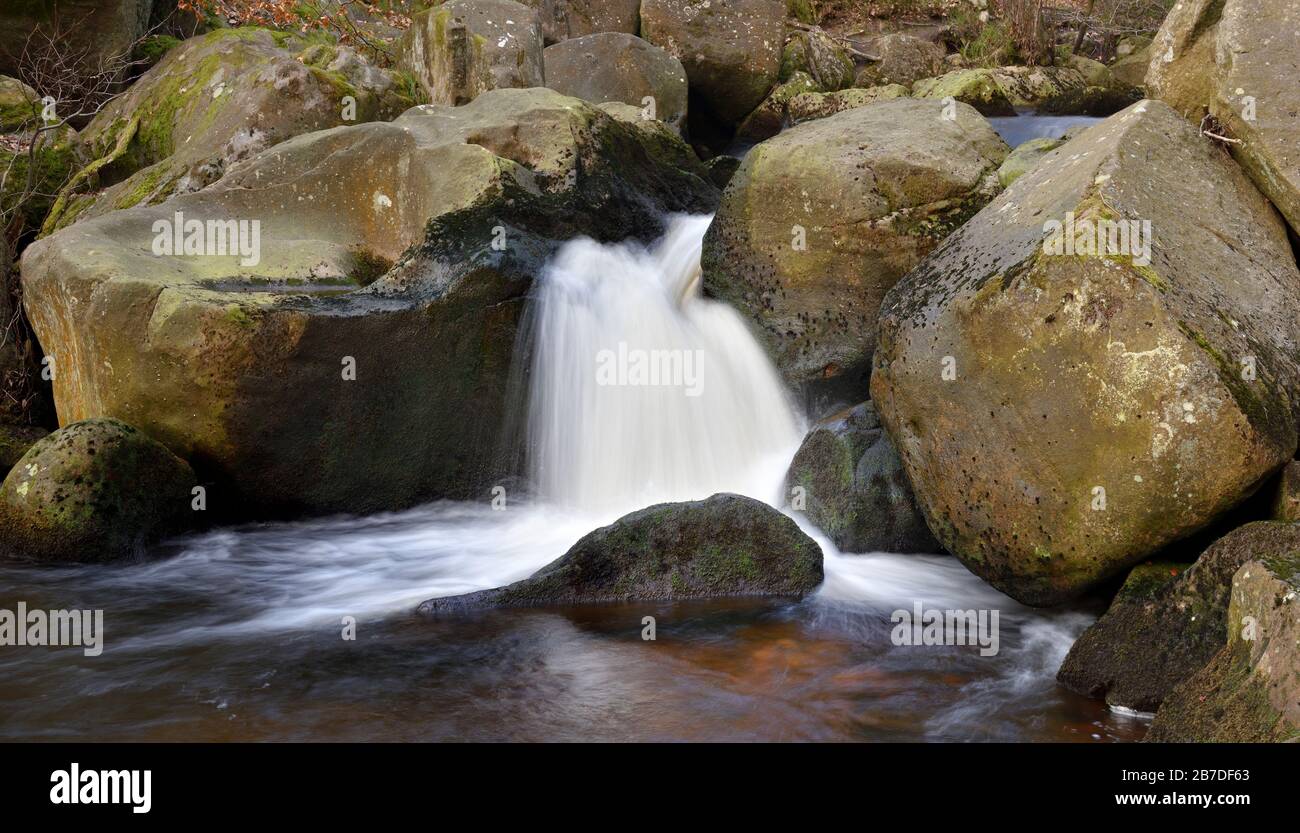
<point>1167,622</point>
<point>94,491</point>
<point>1250,691</point>
<point>1238,61</point>
<point>211,102</point>
<point>1065,413</point>
<point>727,545</point>
<point>337,369</point>
<point>731,49</point>
<point>463,48</point>
<point>820,221</point>
<point>854,486</point>
<point>619,67</point>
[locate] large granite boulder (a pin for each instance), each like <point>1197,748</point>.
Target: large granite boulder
<point>731,49</point>
<point>1002,90</point>
<point>563,19</point>
<point>93,491</point>
<point>460,49</point>
<point>819,222</point>
<point>619,67</point>
<point>1064,410</point>
<point>1238,61</point>
<point>358,357</point>
<point>852,485</point>
<point>1167,622</point>
<point>215,100</point>
<point>725,546</point>
<point>1250,691</point>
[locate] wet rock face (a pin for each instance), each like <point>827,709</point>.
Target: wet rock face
<point>1168,621</point>
<point>338,368</point>
<point>462,48</point>
<point>854,487</point>
<point>727,545</point>
<point>564,19</point>
<point>619,67</point>
<point>1063,414</point>
<point>1249,692</point>
<point>93,491</point>
<point>1238,61</point>
<point>731,49</point>
<point>214,101</point>
<point>819,222</point>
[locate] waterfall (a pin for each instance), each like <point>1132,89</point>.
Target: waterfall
<point>644,391</point>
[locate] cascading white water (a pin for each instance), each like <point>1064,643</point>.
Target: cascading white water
<point>645,391</point>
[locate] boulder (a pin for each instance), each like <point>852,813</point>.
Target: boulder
<point>463,48</point>
<point>1095,73</point>
<point>93,491</point>
<point>31,176</point>
<point>806,252</point>
<point>1286,500</point>
<point>1237,60</point>
<point>724,546</point>
<point>820,56</point>
<point>619,67</point>
<point>814,105</point>
<point>770,117</point>
<point>1131,70</point>
<point>1000,91</point>
<point>100,32</point>
<point>904,59</point>
<point>564,19</point>
<point>1063,412</point>
<point>336,368</point>
<point>211,102</point>
<point>1250,691</point>
<point>731,49</point>
<point>1025,157</point>
<point>15,440</point>
<point>1167,622</point>
<point>854,488</point>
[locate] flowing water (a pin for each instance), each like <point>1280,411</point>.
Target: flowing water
<point>238,634</point>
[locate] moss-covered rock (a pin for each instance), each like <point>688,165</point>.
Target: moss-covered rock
<point>731,49</point>
<point>820,57</point>
<point>771,116</point>
<point>460,49</point>
<point>820,221</point>
<point>35,164</point>
<point>212,102</point>
<point>1131,70</point>
<point>854,487</point>
<point>93,491</point>
<point>725,546</point>
<point>1000,91</point>
<point>1167,622</point>
<point>376,247</point>
<point>807,106</point>
<point>1064,413</point>
<point>1025,157</point>
<point>15,440</point>
<point>1250,691</point>
<point>619,67</point>
<point>904,59</point>
<point>564,19</point>
<point>1237,60</point>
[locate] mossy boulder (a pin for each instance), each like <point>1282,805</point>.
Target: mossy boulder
<point>1249,692</point>
<point>770,117</point>
<point>212,102</point>
<point>731,49</point>
<point>1286,499</point>
<point>1167,622</point>
<point>564,19</point>
<point>724,546</point>
<point>854,488</point>
<point>1238,61</point>
<point>1064,413</point>
<point>1001,91</point>
<point>376,253</point>
<point>1131,69</point>
<point>1025,157</point>
<point>619,67</point>
<point>34,164</point>
<point>815,105</point>
<point>460,49</point>
<point>820,57</point>
<point>93,491</point>
<point>904,59</point>
<point>819,222</point>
